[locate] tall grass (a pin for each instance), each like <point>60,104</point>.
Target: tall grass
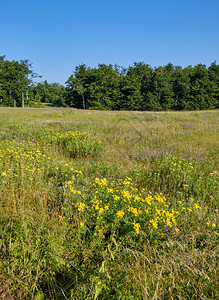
<point>108,205</point>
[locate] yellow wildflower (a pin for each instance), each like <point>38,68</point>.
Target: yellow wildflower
<point>120,213</point>
<point>106,207</point>
<point>81,206</point>
<point>136,227</point>
<point>101,210</point>
<point>61,218</point>
<point>115,197</point>
<point>134,210</point>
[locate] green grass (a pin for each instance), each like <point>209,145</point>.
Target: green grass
<point>108,205</point>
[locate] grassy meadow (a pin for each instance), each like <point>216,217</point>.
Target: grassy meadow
<point>108,205</point>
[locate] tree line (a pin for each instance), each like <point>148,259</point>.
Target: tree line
<point>112,87</point>
<point>18,87</point>
<point>15,80</point>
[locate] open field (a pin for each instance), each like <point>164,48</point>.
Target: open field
<point>108,205</point>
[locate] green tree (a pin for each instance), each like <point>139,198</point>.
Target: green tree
<point>104,87</point>
<point>136,87</point>
<point>181,88</point>
<point>199,82</point>
<point>161,88</point>
<point>76,86</point>
<point>15,80</point>
<point>213,86</point>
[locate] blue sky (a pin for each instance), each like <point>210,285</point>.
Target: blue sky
<point>56,36</point>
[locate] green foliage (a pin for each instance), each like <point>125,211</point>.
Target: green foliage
<point>108,87</point>
<point>78,144</point>
<point>15,80</point>
<point>142,88</point>
<point>30,253</point>
<point>181,178</point>
<point>52,93</point>
<point>73,143</point>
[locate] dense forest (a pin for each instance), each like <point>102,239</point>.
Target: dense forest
<point>108,87</point>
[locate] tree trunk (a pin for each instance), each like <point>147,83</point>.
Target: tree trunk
<point>27,98</point>
<point>83,101</point>
<point>15,104</point>
<point>22,99</point>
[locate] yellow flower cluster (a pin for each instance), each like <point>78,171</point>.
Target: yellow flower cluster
<point>120,214</point>
<point>22,160</point>
<point>137,227</point>
<point>100,182</point>
<point>74,142</point>
<point>110,203</point>
<point>80,206</point>
<point>135,210</point>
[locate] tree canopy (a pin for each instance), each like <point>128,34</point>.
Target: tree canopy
<point>108,87</point>
<point>141,87</point>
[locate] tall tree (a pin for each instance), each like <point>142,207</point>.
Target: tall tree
<point>104,87</point>
<point>181,88</point>
<point>213,86</point>
<point>15,79</point>
<point>76,85</point>
<point>199,82</point>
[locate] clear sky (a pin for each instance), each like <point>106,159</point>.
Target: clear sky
<point>58,35</point>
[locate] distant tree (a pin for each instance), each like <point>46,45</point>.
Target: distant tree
<point>57,92</point>
<point>15,80</point>
<point>76,86</point>
<point>104,87</point>
<point>50,93</point>
<point>12,83</point>
<point>136,87</point>
<point>133,97</point>
<point>2,90</point>
<point>181,89</point>
<point>199,82</point>
<point>161,88</point>
<point>42,89</point>
<point>213,86</point>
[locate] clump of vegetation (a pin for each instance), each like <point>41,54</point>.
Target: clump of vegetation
<point>77,143</point>
<point>181,178</point>
<point>117,209</point>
